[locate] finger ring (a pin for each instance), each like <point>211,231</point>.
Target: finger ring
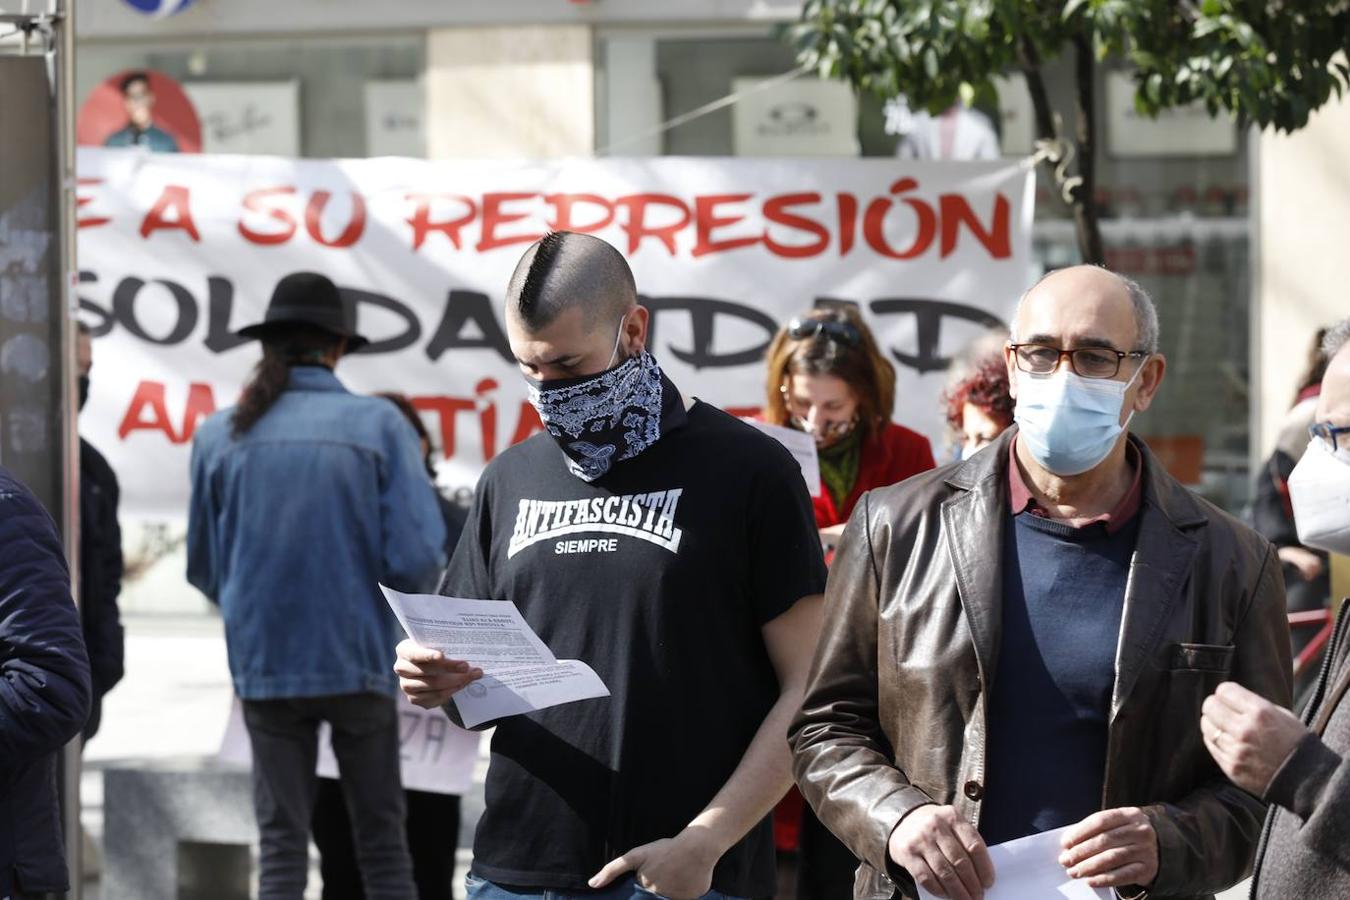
<point>1218,733</point>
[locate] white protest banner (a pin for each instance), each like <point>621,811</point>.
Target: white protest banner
<point>176,253</point>
<point>435,754</point>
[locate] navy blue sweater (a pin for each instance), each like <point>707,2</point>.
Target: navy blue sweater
<point>1063,594</point>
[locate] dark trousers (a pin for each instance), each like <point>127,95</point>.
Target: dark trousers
<point>285,739</point>
<point>433,836</point>
<point>825,867</point>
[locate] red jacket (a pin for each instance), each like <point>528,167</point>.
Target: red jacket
<point>891,455</point>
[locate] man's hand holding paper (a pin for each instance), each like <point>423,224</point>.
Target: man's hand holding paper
<point>428,677</point>
<point>483,656</point>
<point>1024,868</point>
<point>1112,848</point>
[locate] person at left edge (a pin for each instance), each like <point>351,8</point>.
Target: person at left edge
<point>304,498</point>
<point>672,548</point>
<point>44,692</point>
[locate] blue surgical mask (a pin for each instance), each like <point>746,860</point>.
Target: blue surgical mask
<point>1070,423</point>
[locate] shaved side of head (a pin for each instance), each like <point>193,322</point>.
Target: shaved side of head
<point>565,269</point>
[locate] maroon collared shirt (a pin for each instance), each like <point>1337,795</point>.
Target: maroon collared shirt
<point>1022,500</point>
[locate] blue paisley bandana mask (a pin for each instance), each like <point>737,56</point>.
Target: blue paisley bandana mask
<point>599,420</point>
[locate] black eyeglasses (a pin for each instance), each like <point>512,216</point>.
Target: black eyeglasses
<point>1329,435</point>
<point>800,329</point>
<point>1089,362</point>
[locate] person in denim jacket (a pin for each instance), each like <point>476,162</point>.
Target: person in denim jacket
<point>305,497</point>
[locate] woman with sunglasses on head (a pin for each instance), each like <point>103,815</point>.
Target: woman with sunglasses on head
<point>827,377</point>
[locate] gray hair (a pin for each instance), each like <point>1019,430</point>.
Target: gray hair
<point>1145,316</point>
<point>1336,338</point>
<point>1145,312</point>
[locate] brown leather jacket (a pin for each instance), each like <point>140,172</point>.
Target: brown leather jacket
<point>894,713</point>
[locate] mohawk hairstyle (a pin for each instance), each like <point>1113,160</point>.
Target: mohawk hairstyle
<point>529,303</point>
<point>565,269</point>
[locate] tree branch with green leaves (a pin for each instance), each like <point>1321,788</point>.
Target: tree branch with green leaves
<point>1268,63</point>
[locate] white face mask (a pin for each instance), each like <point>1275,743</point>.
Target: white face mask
<point>1319,489</point>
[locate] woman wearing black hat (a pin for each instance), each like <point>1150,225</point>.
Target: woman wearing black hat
<point>305,497</point>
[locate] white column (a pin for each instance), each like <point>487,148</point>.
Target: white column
<point>632,95</point>
<point>1303,216</point>
<point>525,92</point>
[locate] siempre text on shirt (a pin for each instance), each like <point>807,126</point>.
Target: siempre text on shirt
<point>648,517</point>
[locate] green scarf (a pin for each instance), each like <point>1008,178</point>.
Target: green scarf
<point>839,466</point>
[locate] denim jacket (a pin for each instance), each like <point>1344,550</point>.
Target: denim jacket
<point>293,525</point>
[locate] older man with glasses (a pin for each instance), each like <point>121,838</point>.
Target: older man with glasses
<point>1022,642</point>
<point>1302,768</point>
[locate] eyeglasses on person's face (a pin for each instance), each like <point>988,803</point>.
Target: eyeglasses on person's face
<point>1089,362</point>
<point>1329,436</point>
<point>800,329</point>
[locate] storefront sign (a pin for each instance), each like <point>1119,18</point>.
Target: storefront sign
<point>396,118</point>
<point>248,116</point>
<point>804,117</point>
<point>1183,131</point>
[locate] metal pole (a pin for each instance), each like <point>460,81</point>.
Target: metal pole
<point>50,33</point>
<point>61,70</point>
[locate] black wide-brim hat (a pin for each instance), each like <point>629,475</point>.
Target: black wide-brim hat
<point>308,298</point>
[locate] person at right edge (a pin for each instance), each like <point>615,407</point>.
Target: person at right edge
<point>1021,642</point>
<point>1307,572</point>
<point>673,549</point>
<point>1303,768</point>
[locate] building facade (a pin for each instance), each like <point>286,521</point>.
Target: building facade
<point>1224,228</point>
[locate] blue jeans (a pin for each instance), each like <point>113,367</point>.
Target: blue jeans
<point>625,888</point>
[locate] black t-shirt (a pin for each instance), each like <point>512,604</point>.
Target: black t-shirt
<point>659,575</point>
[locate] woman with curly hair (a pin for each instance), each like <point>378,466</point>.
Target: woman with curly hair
<point>979,405</point>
